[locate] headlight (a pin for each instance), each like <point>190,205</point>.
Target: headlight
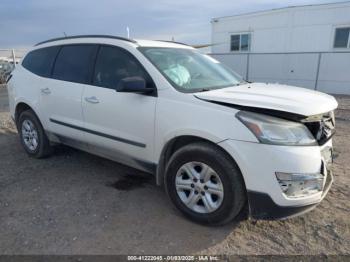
<point>276,131</point>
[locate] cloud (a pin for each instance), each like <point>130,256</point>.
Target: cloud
<point>25,22</point>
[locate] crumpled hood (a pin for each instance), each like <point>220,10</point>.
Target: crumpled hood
<point>285,98</point>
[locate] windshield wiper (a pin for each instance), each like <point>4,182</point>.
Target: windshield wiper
<point>203,90</point>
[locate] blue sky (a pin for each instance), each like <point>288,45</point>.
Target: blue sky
<point>26,22</point>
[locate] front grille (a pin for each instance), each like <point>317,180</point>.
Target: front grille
<point>321,126</point>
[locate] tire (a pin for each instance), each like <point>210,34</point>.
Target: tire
<point>41,148</point>
<point>211,208</point>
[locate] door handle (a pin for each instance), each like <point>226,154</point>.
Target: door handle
<point>92,100</point>
<point>46,91</point>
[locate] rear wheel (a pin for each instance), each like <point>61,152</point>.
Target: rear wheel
<point>205,184</point>
<point>32,135</point>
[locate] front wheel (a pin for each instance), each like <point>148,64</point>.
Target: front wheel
<point>205,184</point>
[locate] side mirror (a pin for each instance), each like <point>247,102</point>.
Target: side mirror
<point>134,84</point>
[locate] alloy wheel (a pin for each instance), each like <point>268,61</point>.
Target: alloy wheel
<point>199,187</point>
<point>30,135</point>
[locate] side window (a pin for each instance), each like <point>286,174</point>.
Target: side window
<point>114,64</point>
<point>342,38</point>
<point>75,63</point>
<point>240,42</point>
<point>235,39</point>
<point>40,61</point>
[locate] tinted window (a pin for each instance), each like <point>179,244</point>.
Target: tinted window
<point>74,63</point>
<point>245,42</point>
<point>240,42</point>
<point>114,64</point>
<point>235,42</point>
<point>40,61</point>
<point>341,37</point>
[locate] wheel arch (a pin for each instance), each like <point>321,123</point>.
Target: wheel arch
<point>21,107</point>
<point>176,143</point>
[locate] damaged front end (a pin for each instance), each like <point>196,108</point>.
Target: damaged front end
<point>294,186</point>
<point>322,126</point>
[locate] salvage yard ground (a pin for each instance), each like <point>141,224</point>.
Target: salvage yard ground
<point>77,203</point>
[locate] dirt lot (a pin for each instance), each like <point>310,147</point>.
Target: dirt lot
<point>77,203</point>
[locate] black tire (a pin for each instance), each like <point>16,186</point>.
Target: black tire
<point>43,148</point>
<point>231,178</point>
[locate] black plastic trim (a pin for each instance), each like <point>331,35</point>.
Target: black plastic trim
<point>148,166</point>
<point>119,139</point>
<point>261,206</point>
<point>54,62</point>
<point>87,36</point>
<point>8,78</point>
<point>325,140</point>
<point>92,77</point>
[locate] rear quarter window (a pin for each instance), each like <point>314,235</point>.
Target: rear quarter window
<point>40,61</point>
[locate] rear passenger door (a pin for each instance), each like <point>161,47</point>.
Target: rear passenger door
<point>120,125</point>
<point>38,64</point>
<point>61,96</point>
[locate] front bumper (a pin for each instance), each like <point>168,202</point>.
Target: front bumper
<point>261,206</point>
<point>258,164</point>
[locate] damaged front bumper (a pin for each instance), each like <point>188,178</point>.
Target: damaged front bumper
<point>271,198</point>
<point>261,206</point>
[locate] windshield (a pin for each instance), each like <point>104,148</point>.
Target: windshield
<point>190,71</point>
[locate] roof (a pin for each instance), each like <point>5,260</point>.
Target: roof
<point>279,9</point>
<point>109,38</point>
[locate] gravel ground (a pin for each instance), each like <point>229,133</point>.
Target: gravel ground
<point>77,203</point>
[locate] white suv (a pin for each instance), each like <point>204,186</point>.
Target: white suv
<point>217,143</point>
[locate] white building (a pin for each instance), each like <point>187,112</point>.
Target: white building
<point>307,46</point>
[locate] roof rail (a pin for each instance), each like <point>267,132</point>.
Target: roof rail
<point>168,41</point>
<point>87,36</point>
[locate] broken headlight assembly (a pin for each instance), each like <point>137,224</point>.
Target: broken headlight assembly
<point>276,131</point>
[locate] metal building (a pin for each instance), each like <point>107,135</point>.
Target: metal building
<point>307,46</point>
